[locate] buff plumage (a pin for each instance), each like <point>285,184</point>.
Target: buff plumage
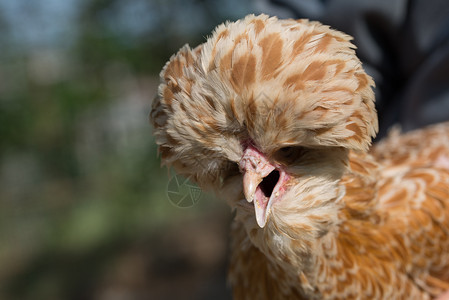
<point>349,223</point>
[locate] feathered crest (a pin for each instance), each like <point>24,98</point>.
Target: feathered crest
<point>276,82</point>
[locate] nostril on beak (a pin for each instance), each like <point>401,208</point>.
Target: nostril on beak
<point>269,182</point>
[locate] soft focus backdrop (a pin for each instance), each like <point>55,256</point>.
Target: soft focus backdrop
<point>84,207</point>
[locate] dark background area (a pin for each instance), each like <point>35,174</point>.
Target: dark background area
<point>84,209</point>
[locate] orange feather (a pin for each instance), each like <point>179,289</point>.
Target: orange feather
<point>348,223</point>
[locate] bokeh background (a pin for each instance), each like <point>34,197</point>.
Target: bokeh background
<point>84,212</point>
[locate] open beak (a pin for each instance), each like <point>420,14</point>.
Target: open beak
<point>263,182</point>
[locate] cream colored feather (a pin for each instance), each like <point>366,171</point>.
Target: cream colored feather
<point>282,111</point>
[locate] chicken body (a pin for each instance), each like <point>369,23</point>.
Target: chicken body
<point>277,116</point>
<point>391,241</point>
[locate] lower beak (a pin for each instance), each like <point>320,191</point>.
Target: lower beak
<point>253,193</point>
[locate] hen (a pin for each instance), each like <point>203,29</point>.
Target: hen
<point>277,116</point>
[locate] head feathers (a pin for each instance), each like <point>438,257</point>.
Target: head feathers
<point>275,82</point>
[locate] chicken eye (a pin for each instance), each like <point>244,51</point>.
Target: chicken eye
<point>288,155</point>
<point>286,150</point>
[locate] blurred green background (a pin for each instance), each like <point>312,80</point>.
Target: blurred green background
<point>84,212</point>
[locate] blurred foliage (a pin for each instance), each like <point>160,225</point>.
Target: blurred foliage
<point>79,176</point>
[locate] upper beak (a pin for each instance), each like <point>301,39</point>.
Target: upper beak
<point>258,185</point>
